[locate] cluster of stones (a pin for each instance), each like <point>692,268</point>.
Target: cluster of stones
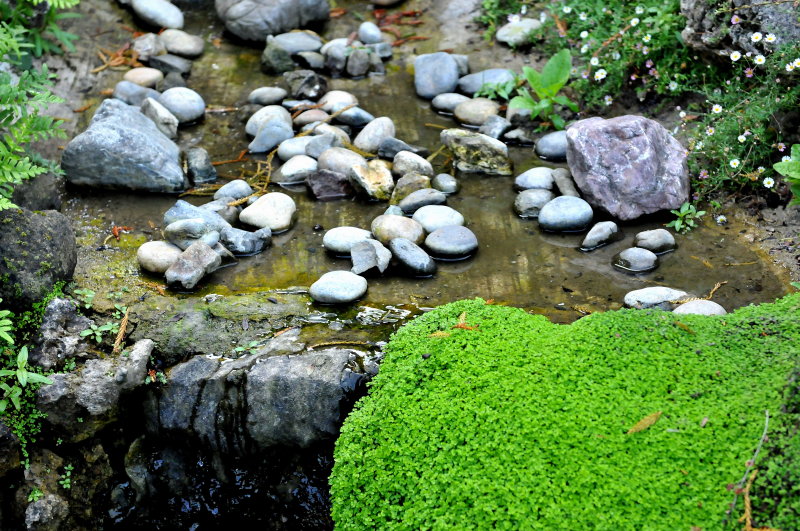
<point>353,57</point>
<point>200,240</point>
<point>408,245</point>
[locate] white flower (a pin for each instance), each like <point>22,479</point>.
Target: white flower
<point>513,18</point>
<point>770,37</point>
<point>698,146</point>
<point>523,10</point>
<point>796,62</point>
<point>584,34</point>
<point>608,99</point>
<point>735,56</point>
<point>639,10</point>
<point>645,50</point>
<point>584,48</point>
<point>786,158</point>
<point>734,163</point>
<point>760,59</point>
<point>634,21</point>
<point>742,138</point>
<point>755,37</point>
<point>673,85</point>
<point>717,108</point>
<point>761,169</point>
<point>647,38</point>
<point>709,131</point>
<point>583,16</point>
<point>600,74</point>
<point>594,61</point>
<point>769,182</point>
<point>682,114</point>
<point>567,9</point>
<point>721,220</point>
<point>789,67</point>
<point>616,56</point>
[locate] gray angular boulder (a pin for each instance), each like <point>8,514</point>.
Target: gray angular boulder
<point>628,166</point>
<point>122,148</point>
<point>253,20</point>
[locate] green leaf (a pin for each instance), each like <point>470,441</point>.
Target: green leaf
<point>558,121</point>
<point>796,152</point>
<point>556,72</point>
<point>523,102</point>
<point>790,168</point>
<point>22,357</point>
<point>22,376</point>
<point>566,102</point>
<point>38,378</point>
<point>534,79</point>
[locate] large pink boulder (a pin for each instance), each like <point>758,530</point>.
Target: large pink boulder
<point>628,166</point>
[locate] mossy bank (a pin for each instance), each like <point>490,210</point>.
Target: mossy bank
<point>484,417</point>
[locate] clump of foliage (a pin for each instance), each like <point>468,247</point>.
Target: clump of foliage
<point>546,85</point>
<point>22,100</point>
<point>487,417</point>
<point>790,169</point>
<point>686,218</point>
<point>40,19</point>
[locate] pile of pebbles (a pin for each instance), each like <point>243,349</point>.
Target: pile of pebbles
<point>356,56</point>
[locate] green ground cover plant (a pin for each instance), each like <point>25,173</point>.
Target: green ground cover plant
<point>628,51</point>
<point>486,417</point>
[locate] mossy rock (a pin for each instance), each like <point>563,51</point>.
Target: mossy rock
<point>507,421</point>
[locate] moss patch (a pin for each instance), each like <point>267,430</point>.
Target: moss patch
<point>521,424</point>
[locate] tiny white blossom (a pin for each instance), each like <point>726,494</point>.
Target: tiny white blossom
<point>639,10</point>
<point>768,182</point>
<point>735,56</point>
<point>600,74</point>
<point>513,18</point>
<point>709,131</point>
<point>761,169</point>
<point>567,9</point>
<point>584,34</point>
<point>634,21</point>
<point>616,56</point>
<point>756,37</point>
<point>594,61</point>
<point>523,10</point>
<point>584,48</point>
<point>721,220</point>
<point>789,67</point>
<point>647,38</point>
<point>673,85</point>
<point>608,100</point>
<point>734,163</point>
<point>717,108</point>
<point>583,16</point>
<point>742,138</point>
<point>698,146</point>
<point>682,114</point>
<point>796,62</point>
<point>770,37</point>
<point>760,59</point>
<point>786,158</point>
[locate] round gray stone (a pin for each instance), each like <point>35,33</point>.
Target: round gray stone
<point>433,217</point>
<point>406,162</point>
<point>235,189</point>
<point>267,95</point>
<point>420,198</point>
<point>635,260</point>
<point>340,240</point>
<point>445,183</point>
<point>565,214</point>
<point>476,111</point>
<point>387,227</point>
<point>157,256</point>
<point>657,240</point>
<point>540,177</point>
<point>700,307</point>
<point>297,41</point>
<point>654,297</point>
<point>184,103</point>
<point>265,115</point>
<point>448,101</point>
<point>452,242</point>
<point>471,83</point>
<point>335,98</point>
<point>338,287</point>
<point>296,169</point>
<point>434,74</point>
<point>369,33</point>
<point>294,146</point>
<point>599,235</point>
<point>375,132</point>
<point>274,210</point>
<point>181,43</point>
<point>553,146</point>
<point>159,13</point>
<point>340,160</point>
<point>412,258</point>
<point>529,203</point>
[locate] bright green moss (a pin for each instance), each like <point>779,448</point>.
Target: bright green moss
<point>521,423</point>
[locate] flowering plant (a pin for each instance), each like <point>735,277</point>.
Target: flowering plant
<point>546,86</point>
<point>790,169</point>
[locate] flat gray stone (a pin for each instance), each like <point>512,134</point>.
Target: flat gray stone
<point>635,260</point>
<point>445,183</point>
<point>529,203</point>
<point>411,258</point>
<point>452,242</point>
<point>553,146</point>
<point>340,240</point>
<point>338,287</point>
<point>540,177</point>
<point>245,243</point>
<point>184,103</point>
<point>471,83</point>
<point>448,101</point>
<point>274,210</point>
<point>433,217</point>
<point>420,198</point>
<point>158,13</point>
<point>387,227</point>
<point>700,307</point>
<point>267,95</point>
<point>297,41</point>
<point>659,297</point>
<point>236,189</point>
<point>602,233</point>
<point>133,94</point>
<point>179,42</point>
<point>657,240</point>
<point>157,256</point>
<point>565,214</point>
